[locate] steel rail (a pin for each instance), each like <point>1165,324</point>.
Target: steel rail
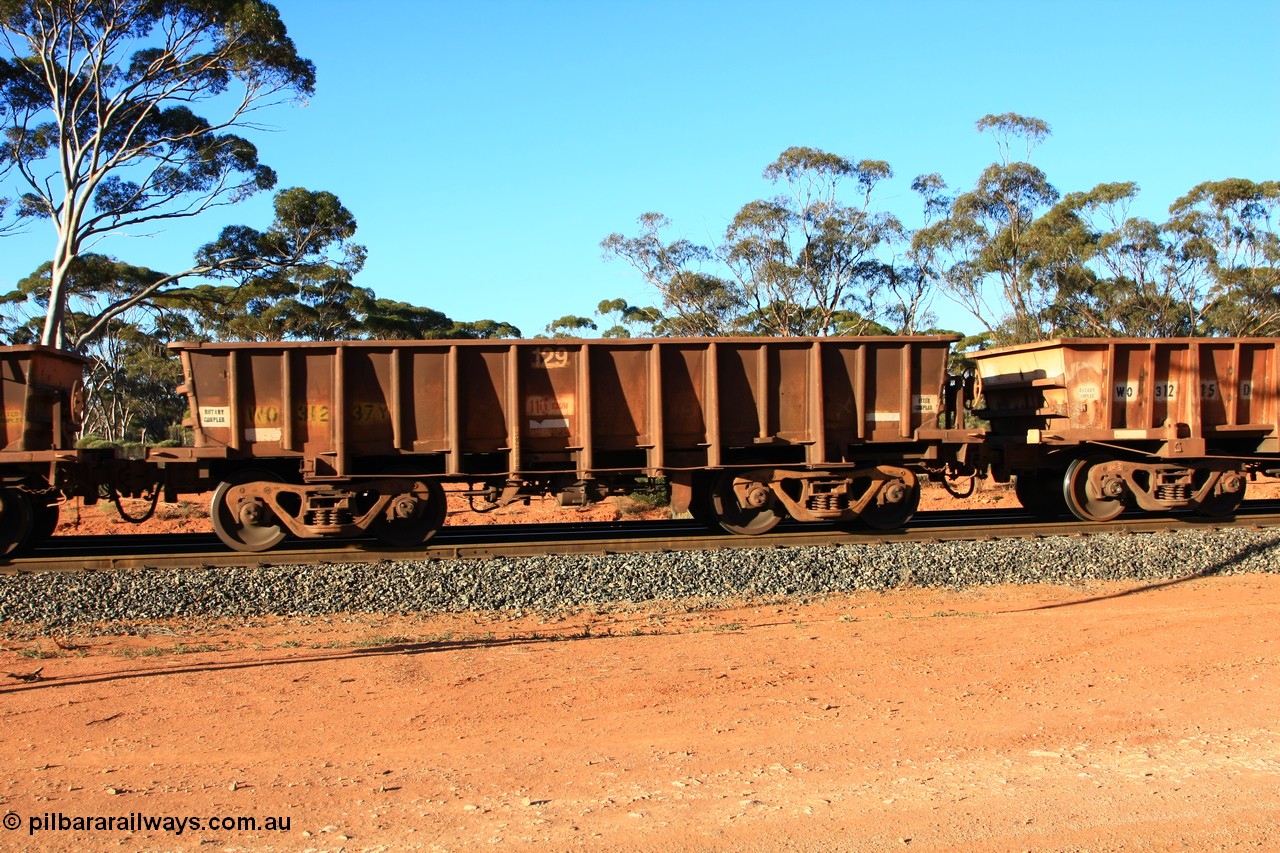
<point>169,551</point>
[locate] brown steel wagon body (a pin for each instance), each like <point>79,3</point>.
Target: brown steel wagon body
<point>1165,423</point>
<point>331,439</point>
<point>42,397</point>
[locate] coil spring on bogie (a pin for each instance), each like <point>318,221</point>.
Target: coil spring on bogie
<point>328,517</point>
<point>827,502</point>
<point>1173,492</point>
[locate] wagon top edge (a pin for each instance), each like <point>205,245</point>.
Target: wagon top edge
<point>1103,343</point>
<point>56,352</point>
<point>502,343</point>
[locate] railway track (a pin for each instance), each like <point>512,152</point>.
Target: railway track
<point>195,550</point>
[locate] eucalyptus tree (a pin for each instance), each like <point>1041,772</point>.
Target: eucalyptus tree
<point>291,280</point>
<point>131,380</point>
<point>696,303</point>
<point>622,319</point>
<point>808,256</point>
<point>93,282</point>
<point>1225,255</point>
<point>390,319</point>
<point>101,133</point>
<point>981,253</point>
<point>484,329</point>
<point>1108,271</point>
<point>570,326</point>
<point>910,285</point>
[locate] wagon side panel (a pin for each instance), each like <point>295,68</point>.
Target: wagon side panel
<point>625,390</point>
<point>1197,391</point>
<point>426,391</point>
<point>37,385</point>
<point>685,405</point>
<point>484,408</point>
<point>843,394</point>
<point>1257,385</point>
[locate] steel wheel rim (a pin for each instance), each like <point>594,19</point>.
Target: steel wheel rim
<point>740,520</point>
<point>227,522</point>
<point>892,516</point>
<point>16,520</point>
<point>428,517</point>
<point>1223,503</point>
<point>1079,496</point>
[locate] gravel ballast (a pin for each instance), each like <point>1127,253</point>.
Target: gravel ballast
<point>57,601</point>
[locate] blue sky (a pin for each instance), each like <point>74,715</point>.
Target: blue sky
<point>486,148</point>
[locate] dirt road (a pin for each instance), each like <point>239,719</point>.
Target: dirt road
<point>1116,717</point>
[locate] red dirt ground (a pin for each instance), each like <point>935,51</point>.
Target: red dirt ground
<point>1102,718</point>
<point>1113,717</point>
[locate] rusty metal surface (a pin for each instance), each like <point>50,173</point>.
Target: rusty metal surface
<point>37,385</point>
<point>470,408</point>
<point>1194,390</point>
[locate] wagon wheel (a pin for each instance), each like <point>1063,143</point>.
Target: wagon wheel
<point>761,513</point>
<point>409,520</point>
<point>1083,499</point>
<point>1039,493</point>
<point>249,525</point>
<point>894,504</point>
<point>16,520</point>
<point>44,519</point>
<point>700,502</point>
<point>1223,502</point>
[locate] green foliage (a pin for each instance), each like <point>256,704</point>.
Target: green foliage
<point>100,130</point>
<point>808,255</point>
<point>133,449</point>
<point>652,491</point>
<point>1226,251</point>
<point>622,320</point>
<point>696,303</point>
<point>130,385</point>
<point>389,319</point>
<point>984,237</point>
<point>1105,269</point>
<point>1027,263</point>
<point>1009,127</point>
<point>567,325</point>
<point>484,330</point>
<point>93,441</point>
<point>815,260</point>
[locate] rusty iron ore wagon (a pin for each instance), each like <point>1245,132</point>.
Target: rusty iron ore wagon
<point>331,440</point>
<point>42,395</point>
<point>1101,424</point>
<point>348,438</point>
